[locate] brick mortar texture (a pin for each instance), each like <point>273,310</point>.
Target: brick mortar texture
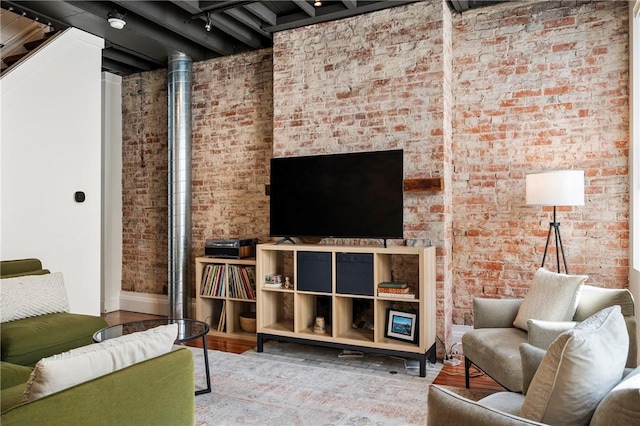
<point>144,182</point>
<point>373,82</point>
<point>538,87</point>
<point>231,146</point>
<point>479,99</point>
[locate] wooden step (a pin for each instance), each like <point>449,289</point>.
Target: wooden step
<point>30,45</point>
<point>12,59</point>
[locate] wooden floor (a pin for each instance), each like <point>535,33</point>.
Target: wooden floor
<point>449,376</point>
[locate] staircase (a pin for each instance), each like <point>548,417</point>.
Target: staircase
<point>20,37</point>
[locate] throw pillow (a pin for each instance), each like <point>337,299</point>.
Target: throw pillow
<point>551,297</point>
<point>76,366</point>
<point>580,367</point>
<point>31,296</point>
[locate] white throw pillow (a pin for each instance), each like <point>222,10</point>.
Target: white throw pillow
<point>551,297</point>
<point>31,296</point>
<point>80,365</point>
<point>580,367</point>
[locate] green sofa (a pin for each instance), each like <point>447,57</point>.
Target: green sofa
<point>26,341</point>
<point>159,391</point>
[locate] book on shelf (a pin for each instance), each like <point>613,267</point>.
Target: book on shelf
<point>393,284</point>
<point>213,281</point>
<point>223,316</point>
<point>397,295</point>
<point>393,290</point>
<point>242,282</point>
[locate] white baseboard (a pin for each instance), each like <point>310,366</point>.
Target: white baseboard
<point>111,304</point>
<point>146,303</point>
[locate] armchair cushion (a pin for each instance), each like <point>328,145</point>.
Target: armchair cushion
<point>543,333</point>
<point>494,313</point>
<point>501,358</point>
<point>594,299</point>
<point>12,374</point>
<point>27,341</point>
<point>621,406</point>
<point>580,367</point>
<point>451,407</point>
<point>551,297</point>
<point>507,402</point>
<point>531,357</point>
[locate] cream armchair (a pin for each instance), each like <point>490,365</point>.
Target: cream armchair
<point>493,344</point>
<point>580,380</point>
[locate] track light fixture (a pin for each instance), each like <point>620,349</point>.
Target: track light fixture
<point>317,3</point>
<point>116,20</point>
<point>209,24</point>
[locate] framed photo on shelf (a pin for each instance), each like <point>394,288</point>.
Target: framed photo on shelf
<point>401,326</point>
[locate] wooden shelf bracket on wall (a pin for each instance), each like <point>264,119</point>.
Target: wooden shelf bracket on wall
<point>424,185</point>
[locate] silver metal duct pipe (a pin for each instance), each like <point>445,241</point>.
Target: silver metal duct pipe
<point>179,167</point>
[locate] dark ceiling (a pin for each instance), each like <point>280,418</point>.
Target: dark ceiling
<point>155,29</point>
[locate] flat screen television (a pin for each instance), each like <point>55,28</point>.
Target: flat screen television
<point>356,195</point>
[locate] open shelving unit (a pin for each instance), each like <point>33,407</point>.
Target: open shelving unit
<point>340,283</point>
<point>221,294</point>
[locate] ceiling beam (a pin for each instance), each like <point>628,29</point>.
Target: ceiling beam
<point>221,6</point>
<point>262,12</point>
<point>248,20</point>
<point>191,6</point>
<point>460,5</point>
<point>182,25</point>
<point>116,67</point>
<point>155,35</point>
<point>114,54</point>
<point>350,4</point>
<point>235,30</point>
<point>306,7</point>
<point>296,20</point>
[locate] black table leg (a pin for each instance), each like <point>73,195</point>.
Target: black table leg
<point>206,367</point>
<point>260,343</point>
<point>423,365</point>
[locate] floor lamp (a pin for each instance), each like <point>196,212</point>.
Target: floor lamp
<point>557,188</point>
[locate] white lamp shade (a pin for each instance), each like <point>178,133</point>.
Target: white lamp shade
<point>557,188</point>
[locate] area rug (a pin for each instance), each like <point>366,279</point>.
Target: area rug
<point>249,390</point>
<point>336,359</point>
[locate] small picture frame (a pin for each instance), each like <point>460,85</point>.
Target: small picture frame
<point>401,326</point>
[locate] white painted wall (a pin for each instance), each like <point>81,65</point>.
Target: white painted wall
<point>111,192</point>
<point>50,147</point>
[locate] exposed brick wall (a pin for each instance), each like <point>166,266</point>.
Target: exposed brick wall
<point>480,100</point>
<point>538,87</point>
<point>374,82</point>
<point>144,182</point>
<point>445,261</point>
<point>231,146</point>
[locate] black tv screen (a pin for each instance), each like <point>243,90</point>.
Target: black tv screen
<point>357,195</point>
